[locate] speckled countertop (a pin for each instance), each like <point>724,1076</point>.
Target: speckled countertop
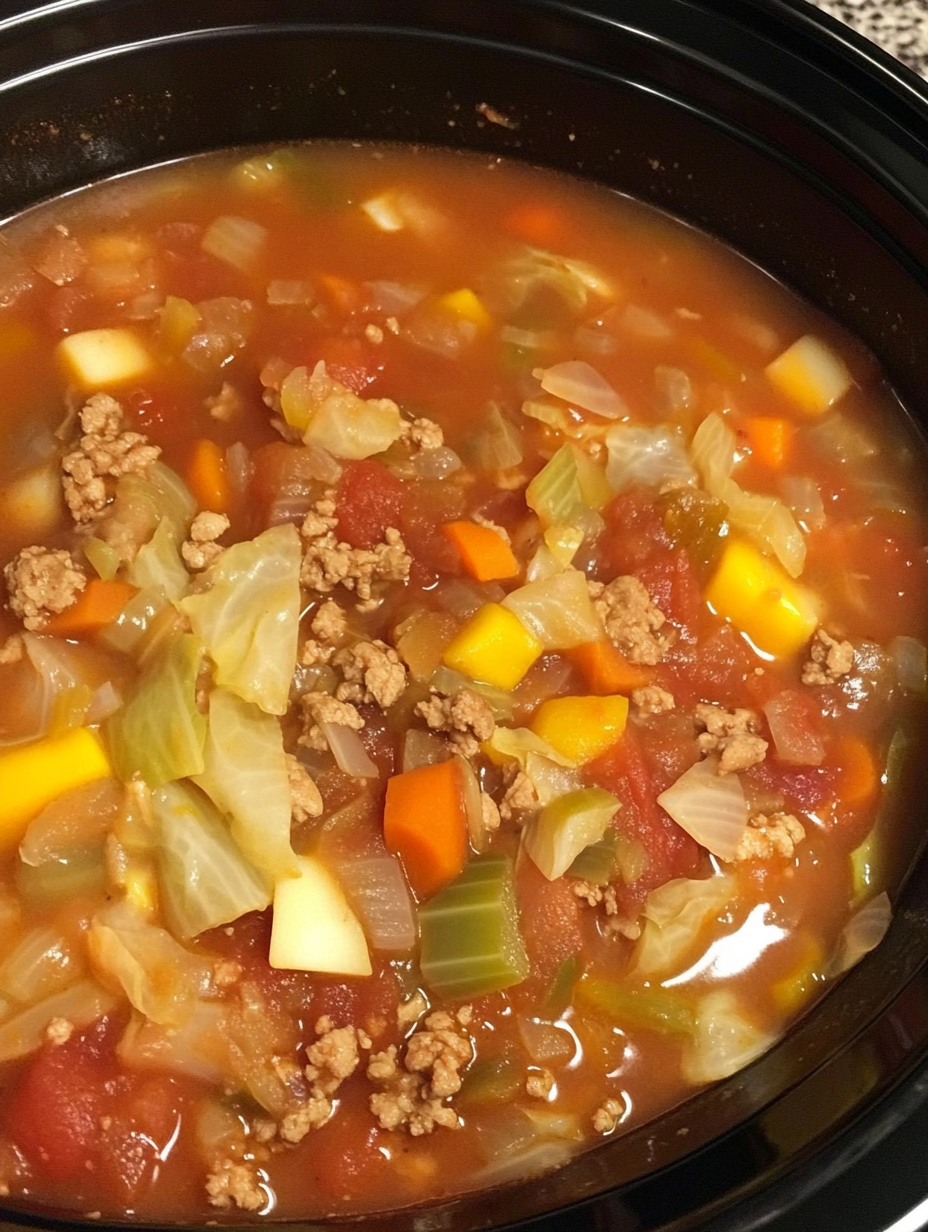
<point>899,26</point>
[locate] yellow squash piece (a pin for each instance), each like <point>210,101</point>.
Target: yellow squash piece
<point>580,728</point>
<point>810,375</point>
<point>33,775</point>
<point>97,358</point>
<point>314,928</point>
<point>465,305</point>
<point>494,646</point>
<point>757,596</point>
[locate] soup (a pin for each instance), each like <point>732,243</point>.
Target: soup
<point>463,639</point>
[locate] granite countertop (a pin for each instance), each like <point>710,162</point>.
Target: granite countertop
<point>899,26</point>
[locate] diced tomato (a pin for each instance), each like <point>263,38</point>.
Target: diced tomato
<point>346,1162</point>
<point>670,580</point>
<point>717,667</point>
<point>805,787</point>
<point>671,852</point>
<point>634,529</point>
<point>368,500</point>
<point>549,917</point>
<point>349,1002</point>
<point>348,360</point>
<point>426,506</point>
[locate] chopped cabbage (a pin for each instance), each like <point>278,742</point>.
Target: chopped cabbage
<point>567,485</point>
<point>651,456</point>
<point>557,610</point>
<point>579,384</point>
<point>674,915</point>
<point>159,733</point>
<point>158,564</point>
<point>205,880</point>
<point>709,806</point>
<point>556,836</point>
<point>862,933</point>
<point>518,744</point>
<point>161,979</point>
<point>245,776</point>
<point>80,1005</point>
<point>575,281</point>
<point>249,616</point>
<point>723,1041</point>
<point>327,413</point>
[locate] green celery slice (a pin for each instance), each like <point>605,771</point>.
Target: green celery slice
<point>159,733</point>
<point>655,1009</point>
<point>471,942</point>
<point>492,1080</point>
<point>561,989</point>
<point>597,863</point>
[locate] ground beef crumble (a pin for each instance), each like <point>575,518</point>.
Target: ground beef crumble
<point>732,734</point>
<point>422,434</point>
<point>634,624</point>
<point>329,627</point>
<point>652,699</point>
<point>201,549</point>
<point>371,673</point>
<point>334,1057</point>
<point>766,837</point>
<point>466,717</point>
<point>13,649</point>
<point>414,1094</point>
<point>539,1084</point>
<point>607,1116</point>
<point>105,450</point>
<point>235,1184</point>
<point>324,708</point>
<point>41,582</point>
<point>520,795</point>
<point>305,798</point>
<point>327,563</point>
<point>828,660</point>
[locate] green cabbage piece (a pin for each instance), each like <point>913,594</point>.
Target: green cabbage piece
<point>557,609</point>
<point>205,880</point>
<point>674,916</point>
<point>159,733</point>
<point>723,1040</point>
<point>142,504</point>
<point>248,615</point>
<point>159,565</point>
<point>246,778</point>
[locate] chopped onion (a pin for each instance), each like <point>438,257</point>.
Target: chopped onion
<point>804,500</point>
<point>41,963</point>
<point>105,701</point>
<point>288,291</point>
<point>393,298</point>
<point>292,509</point>
<point>348,751</point>
<point>581,385</point>
<point>80,1005</point>
<point>379,894</point>
<point>596,341</point>
<point>237,241</point>
<point>436,463</point>
<point>76,819</point>
<point>862,933</point>
<point>911,660</point>
<point>546,1041</point>
<point>838,438</point>
<point>674,389</point>
<point>473,809</point>
<point>710,807</point>
<point>498,445</point>
<point>383,212</point>
<point>792,719</point>
<point>528,339</point>
<point>462,597</point>
<point>238,467</point>
<point>422,748</point>
<point>651,456</point>
<point>644,324</point>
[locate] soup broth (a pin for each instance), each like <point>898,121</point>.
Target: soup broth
<point>463,635</point>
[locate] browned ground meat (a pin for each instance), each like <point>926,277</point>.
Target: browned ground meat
<point>633,623</point>
<point>40,582</point>
<point>328,563</point>
<point>105,450</point>
<point>305,800</point>
<point>467,718</point>
<point>733,735</point>
<point>372,672</point>
<point>828,660</point>
<point>415,1099</point>
<point>201,549</point>
<point>765,837</point>
<point>652,699</point>
<point>324,708</point>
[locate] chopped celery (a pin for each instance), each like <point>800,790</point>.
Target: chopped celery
<point>655,1009</point>
<point>567,484</point>
<point>205,880</point>
<point>159,733</point>
<point>249,615</point>
<point>245,775</point>
<point>864,868</point>
<point>82,872</point>
<point>597,861</point>
<point>556,836</point>
<point>471,943</point>
<point>561,989</point>
<point>492,1080</point>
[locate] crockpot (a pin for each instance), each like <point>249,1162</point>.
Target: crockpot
<point>760,121</point>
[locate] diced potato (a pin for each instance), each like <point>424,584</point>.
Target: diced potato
<point>757,596</point>
<point>384,212</point>
<point>33,775</point>
<point>810,375</point>
<point>494,646</point>
<point>31,505</point>
<point>580,728</point>
<point>97,358</point>
<point>314,928</point>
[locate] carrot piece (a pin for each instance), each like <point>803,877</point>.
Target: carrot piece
<point>207,477</point>
<point>770,438</point>
<point>343,294</point>
<point>425,824</point>
<point>98,603</point>
<point>536,223</point>
<point>859,778</point>
<point>605,670</point>
<point>484,552</point>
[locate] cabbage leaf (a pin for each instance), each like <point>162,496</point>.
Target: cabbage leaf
<point>557,609</point>
<point>249,616</point>
<point>723,1041</point>
<point>674,916</point>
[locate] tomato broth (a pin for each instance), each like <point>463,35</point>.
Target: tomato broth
<point>463,638</point>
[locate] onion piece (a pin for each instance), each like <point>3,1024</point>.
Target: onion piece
<point>422,748</point>
<point>436,463</point>
<point>473,808</point>
<point>804,501</point>
<point>76,819</point>
<point>237,241</point>
<point>378,892</point>
<point>238,467</point>
<point>105,701</point>
<point>792,718</point>
<point>393,298</point>
<point>862,933</point>
<point>40,964</point>
<point>289,291</point>
<point>349,752</point>
<point>528,339</point>
<point>911,659</point>
<point>498,445</point>
<point>289,509</point>
<point>578,383</point>
<point>710,807</point>
<point>643,324</point>
<point>80,1005</point>
<point>546,1041</point>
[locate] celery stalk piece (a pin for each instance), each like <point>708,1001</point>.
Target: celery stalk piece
<point>597,862</point>
<point>249,616</point>
<point>159,733</point>
<point>205,880</point>
<point>245,776</point>
<point>556,836</point>
<point>471,942</point>
<point>655,1009</point>
<point>561,989</point>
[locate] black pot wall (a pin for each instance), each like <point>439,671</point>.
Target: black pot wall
<point>749,118</point>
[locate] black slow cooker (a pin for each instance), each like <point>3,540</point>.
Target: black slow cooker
<point>801,146</point>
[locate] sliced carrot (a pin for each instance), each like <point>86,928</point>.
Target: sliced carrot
<point>771,439</point>
<point>207,478</point>
<point>98,604</point>
<point>859,777</point>
<point>536,223</point>
<point>425,824</point>
<point>605,670</point>
<point>485,554</point>
<point>343,294</point>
